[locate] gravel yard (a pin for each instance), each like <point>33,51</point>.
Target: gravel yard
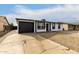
<point>69,39</point>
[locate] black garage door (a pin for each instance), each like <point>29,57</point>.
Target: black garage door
<point>25,27</point>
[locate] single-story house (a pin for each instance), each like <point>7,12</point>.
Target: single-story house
<point>29,25</point>
<point>4,24</point>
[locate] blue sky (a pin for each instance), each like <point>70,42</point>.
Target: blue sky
<point>50,12</point>
<point>7,8</point>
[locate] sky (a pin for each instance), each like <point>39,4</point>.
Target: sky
<point>51,12</point>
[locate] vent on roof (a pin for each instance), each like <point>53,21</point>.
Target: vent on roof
<point>43,20</point>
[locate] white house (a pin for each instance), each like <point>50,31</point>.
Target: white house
<point>28,25</point>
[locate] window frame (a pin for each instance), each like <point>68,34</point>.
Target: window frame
<point>42,26</point>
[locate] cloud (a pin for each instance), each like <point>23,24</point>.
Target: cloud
<point>64,13</point>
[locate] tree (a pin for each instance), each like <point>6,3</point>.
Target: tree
<point>11,26</point>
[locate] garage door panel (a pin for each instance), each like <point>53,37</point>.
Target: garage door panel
<point>25,27</point>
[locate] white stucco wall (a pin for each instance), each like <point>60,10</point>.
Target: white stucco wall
<point>34,26</point>
<point>56,27</point>
<point>65,26</point>
<point>42,30</point>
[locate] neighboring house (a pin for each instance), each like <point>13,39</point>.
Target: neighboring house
<point>28,25</point>
<point>73,27</point>
<point>77,27</point>
<point>4,25</point>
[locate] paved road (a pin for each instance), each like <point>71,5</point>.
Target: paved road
<point>30,43</point>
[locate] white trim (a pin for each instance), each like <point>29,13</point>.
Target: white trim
<point>18,27</point>
<point>40,30</point>
<point>34,26</point>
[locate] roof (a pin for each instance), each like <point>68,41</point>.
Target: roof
<point>18,19</point>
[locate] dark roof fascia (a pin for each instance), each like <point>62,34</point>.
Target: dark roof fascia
<point>57,22</point>
<point>39,21</point>
<point>24,19</point>
<point>60,22</point>
<point>28,20</point>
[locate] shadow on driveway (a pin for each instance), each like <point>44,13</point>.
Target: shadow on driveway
<point>64,38</point>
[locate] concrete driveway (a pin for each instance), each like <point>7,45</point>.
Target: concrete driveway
<point>31,43</point>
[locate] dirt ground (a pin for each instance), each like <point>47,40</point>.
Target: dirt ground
<point>40,43</point>
<point>69,39</point>
<point>2,33</point>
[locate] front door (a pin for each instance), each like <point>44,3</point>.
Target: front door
<point>47,27</point>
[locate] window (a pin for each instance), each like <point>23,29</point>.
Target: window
<point>53,25</point>
<point>41,25</point>
<point>58,26</point>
